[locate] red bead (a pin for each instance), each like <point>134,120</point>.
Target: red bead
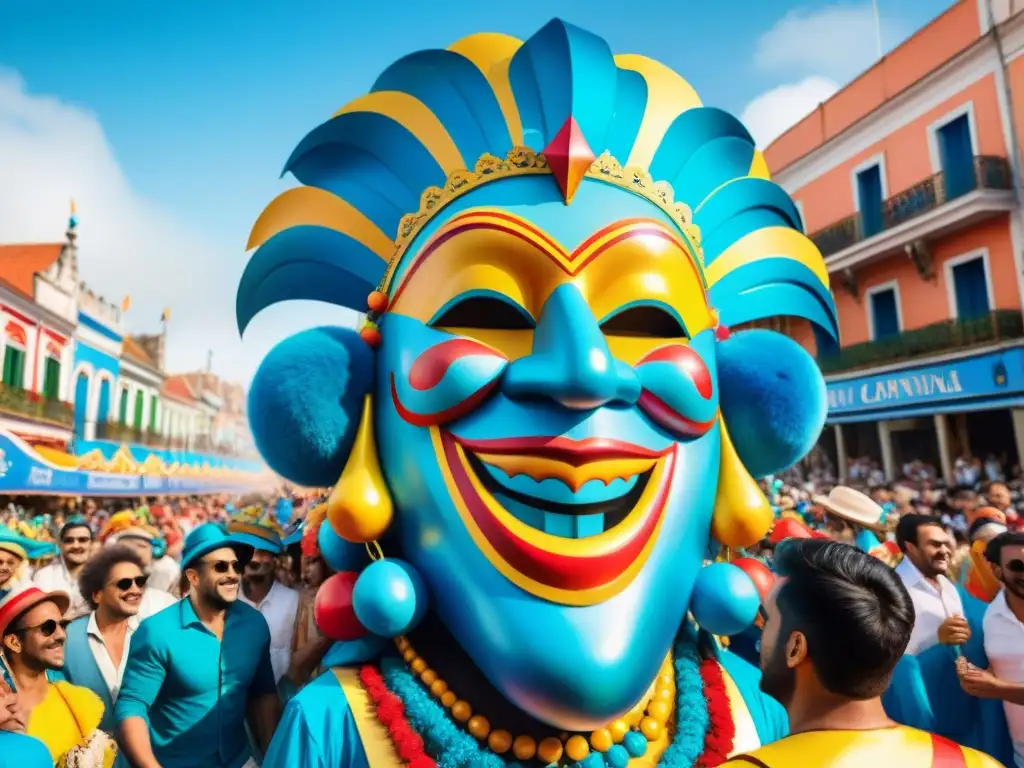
<point>371,336</point>
<point>722,332</point>
<point>377,302</point>
<point>332,610</point>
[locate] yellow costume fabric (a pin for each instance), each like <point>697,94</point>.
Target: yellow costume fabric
<point>67,718</point>
<point>898,746</point>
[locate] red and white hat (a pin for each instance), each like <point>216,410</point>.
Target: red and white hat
<point>17,601</point>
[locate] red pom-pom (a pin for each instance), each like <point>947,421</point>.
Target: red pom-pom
<point>371,336</point>
<point>333,612</point>
<point>377,301</point>
<point>758,572</point>
<point>722,332</point>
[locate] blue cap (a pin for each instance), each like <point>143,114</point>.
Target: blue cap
<point>207,538</point>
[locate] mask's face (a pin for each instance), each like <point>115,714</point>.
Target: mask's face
<point>547,413</point>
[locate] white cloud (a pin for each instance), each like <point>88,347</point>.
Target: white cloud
<point>51,151</point>
<point>772,113</point>
<point>837,41</point>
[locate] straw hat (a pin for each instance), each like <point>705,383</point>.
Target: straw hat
<point>853,506</point>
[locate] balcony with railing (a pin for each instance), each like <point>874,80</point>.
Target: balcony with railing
<point>24,404</point>
<point>934,339</point>
<point>989,174</point>
<point>116,432</point>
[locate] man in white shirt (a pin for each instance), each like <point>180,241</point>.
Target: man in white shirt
<point>96,653</point>
<point>75,541</point>
<point>261,589</point>
<point>1004,639</point>
<point>927,552</point>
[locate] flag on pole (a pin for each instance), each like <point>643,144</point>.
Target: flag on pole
<point>165,315</point>
<point>126,303</point>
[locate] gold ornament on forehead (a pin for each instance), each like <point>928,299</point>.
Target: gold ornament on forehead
<point>522,161</point>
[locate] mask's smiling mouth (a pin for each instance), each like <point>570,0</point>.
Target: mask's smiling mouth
<point>571,521</point>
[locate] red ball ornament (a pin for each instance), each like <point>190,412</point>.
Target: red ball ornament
<point>758,572</point>
<point>788,528</point>
<point>722,332</point>
<point>371,336</point>
<point>332,609</point>
<point>377,301</point>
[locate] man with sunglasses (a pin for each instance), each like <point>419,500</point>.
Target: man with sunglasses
<point>199,670</point>
<point>76,542</point>
<point>1004,639</point>
<point>113,581</point>
<point>63,716</point>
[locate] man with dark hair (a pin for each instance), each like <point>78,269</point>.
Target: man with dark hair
<point>113,583</point>
<point>75,541</point>
<point>1004,639</point>
<point>836,624</point>
<point>927,554</point>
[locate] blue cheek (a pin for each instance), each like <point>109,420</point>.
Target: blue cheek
<point>677,389</point>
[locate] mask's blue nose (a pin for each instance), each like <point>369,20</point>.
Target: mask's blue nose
<point>570,362</point>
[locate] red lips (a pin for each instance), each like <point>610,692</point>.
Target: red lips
<point>572,452</point>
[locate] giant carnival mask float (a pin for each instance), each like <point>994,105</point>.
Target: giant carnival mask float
<point>545,417</point>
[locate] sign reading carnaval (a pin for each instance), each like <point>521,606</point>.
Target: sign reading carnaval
<point>22,471</point>
<point>996,374</point>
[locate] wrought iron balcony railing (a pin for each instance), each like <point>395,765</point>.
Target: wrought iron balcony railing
<point>927,195</point>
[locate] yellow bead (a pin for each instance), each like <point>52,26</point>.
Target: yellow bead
<point>618,729</point>
<point>448,699</point>
<point>360,508</point>
<point>659,710</point>
<point>666,681</point>
<point>408,654</point>
<point>601,740</point>
<point>428,676</point>
<point>524,748</point>
<point>663,694</point>
<point>401,643</point>
<point>577,748</point>
<point>650,728</point>
<point>500,742</point>
<point>439,688</point>
<point>478,727</point>
<point>461,711</point>
<point>418,665</point>
<point>550,750</point>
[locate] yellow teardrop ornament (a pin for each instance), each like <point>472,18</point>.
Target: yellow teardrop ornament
<point>742,514</point>
<point>360,508</point>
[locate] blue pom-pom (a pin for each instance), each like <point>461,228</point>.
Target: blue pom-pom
<point>389,598</point>
<point>635,743</point>
<point>339,554</point>
<point>725,600</point>
<point>306,400</point>
<point>773,399</point>
<point>617,757</point>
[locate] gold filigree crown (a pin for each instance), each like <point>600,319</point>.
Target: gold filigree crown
<point>522,161</point>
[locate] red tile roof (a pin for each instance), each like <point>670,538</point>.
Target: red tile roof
<point>178,388</point>
<point>21,262</point>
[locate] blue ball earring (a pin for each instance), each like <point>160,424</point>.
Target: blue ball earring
<point>725,600</point>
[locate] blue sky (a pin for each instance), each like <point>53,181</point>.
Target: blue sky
<point>169,122</point>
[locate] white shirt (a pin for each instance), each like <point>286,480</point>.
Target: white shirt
<point>112,675</point>
<point>164,574</point>
<point>1004,646</point>
<point>55,578</point>
<point>931,605</point>
<point>278,608</point>
<point>153,601</point>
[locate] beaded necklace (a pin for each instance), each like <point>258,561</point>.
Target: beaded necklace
<point>423,712</point>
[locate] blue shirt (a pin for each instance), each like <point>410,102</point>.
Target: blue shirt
<point>192,689</point>
<point>23,751</point>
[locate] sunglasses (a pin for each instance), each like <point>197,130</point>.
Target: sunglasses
<point>1016,566</point>
<point>222,566</point>
<point>46,629</point>
<point>125,584</point>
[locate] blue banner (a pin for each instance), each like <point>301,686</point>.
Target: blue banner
<point>993,375</point>
<point>23,471</point>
